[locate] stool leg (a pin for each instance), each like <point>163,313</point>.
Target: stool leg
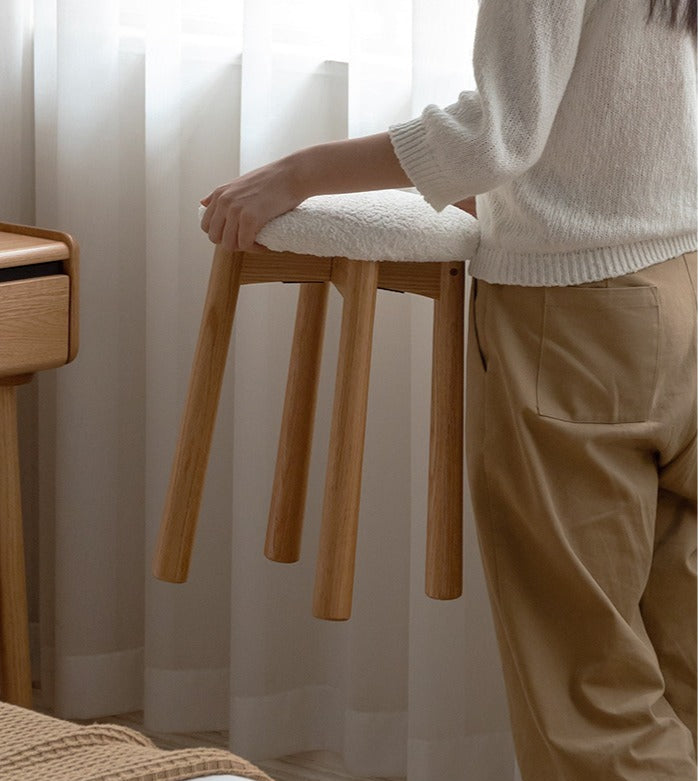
<point>444,564</point>
<point>285,525</point>
<point>15,670</point>
<point>183,500</point>
<point>337,551</point>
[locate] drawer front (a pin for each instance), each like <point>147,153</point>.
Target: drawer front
<point>34,324</point>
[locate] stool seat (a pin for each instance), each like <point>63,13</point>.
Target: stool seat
<point>352,242</point>
<point>379,225</point>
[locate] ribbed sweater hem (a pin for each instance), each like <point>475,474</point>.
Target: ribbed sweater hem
<point>575,268</point>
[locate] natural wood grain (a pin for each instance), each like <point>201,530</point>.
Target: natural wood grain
<point>337,552</point>
<point>22,250</point>
<point>422,279</point>
<point>283,541</point>
<point>34,324</point>
<point>38,330</point>
<point>39,245</point>
<point>180,516</point>
<point>18,379</point>
<point>445,500</point>
<point>284,267</point>
<point>15,673</point>
<point>358,282</point>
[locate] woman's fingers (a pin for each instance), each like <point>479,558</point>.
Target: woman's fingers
<point>217,223</point>
<point>235,212</point>
<point>229,236</point>
<point>228,224</point>
<point>231,232</point>
<point>206,220</point>
<point>233,229</point>
<point>210,203</point>
<point>248,228</point>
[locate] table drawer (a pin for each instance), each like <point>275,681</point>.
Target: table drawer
<point>34,324</point>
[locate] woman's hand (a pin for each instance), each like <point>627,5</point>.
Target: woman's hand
<point>237,211</point>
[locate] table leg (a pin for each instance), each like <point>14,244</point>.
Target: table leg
<point>15,668</point>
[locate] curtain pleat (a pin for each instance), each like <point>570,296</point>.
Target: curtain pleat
<point>120,116</point>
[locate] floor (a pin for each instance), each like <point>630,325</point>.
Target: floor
<point>312,766</point>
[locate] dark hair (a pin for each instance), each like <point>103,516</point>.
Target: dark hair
<point>680,14</point>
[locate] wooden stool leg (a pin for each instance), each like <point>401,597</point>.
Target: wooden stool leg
<point>15,669</point>
<point>357,281</point>
<point>295,441</point>
<point>444,564</point>
<point>183,500</point>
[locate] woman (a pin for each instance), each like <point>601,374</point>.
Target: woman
<point>580,146</point>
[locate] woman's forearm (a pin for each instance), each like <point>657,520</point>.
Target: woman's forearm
<point>353,165</point>
<point>236,212</point>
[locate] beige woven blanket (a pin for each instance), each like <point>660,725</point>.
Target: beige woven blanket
<point>34,747</point>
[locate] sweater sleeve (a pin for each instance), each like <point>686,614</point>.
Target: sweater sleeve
<point>523,57</point>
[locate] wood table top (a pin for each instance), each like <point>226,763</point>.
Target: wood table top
<point>19,250</point>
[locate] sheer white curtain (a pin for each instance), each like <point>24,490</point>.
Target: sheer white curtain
<point>118,115</point>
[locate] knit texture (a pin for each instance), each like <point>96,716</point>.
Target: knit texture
<point>579,142</point>
<point>34,747</point>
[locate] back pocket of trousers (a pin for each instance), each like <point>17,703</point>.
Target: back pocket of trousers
<point>599,354</point>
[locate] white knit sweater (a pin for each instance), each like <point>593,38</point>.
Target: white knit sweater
<point>580,141</point>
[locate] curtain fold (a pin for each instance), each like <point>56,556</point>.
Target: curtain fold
<point>120,116</point>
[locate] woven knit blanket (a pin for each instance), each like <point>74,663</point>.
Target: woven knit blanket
<point>34,747</point>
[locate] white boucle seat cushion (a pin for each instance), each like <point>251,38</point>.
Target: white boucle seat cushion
<point>379,225</point>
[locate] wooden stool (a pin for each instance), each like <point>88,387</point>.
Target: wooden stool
<point>358,281</point>
<point>38,330</point>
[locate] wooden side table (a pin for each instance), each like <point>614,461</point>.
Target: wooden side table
<point>38,330</point>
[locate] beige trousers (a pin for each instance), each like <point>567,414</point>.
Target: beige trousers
<point>581,446</point>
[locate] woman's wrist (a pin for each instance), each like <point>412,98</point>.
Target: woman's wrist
<point>300,168</point>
